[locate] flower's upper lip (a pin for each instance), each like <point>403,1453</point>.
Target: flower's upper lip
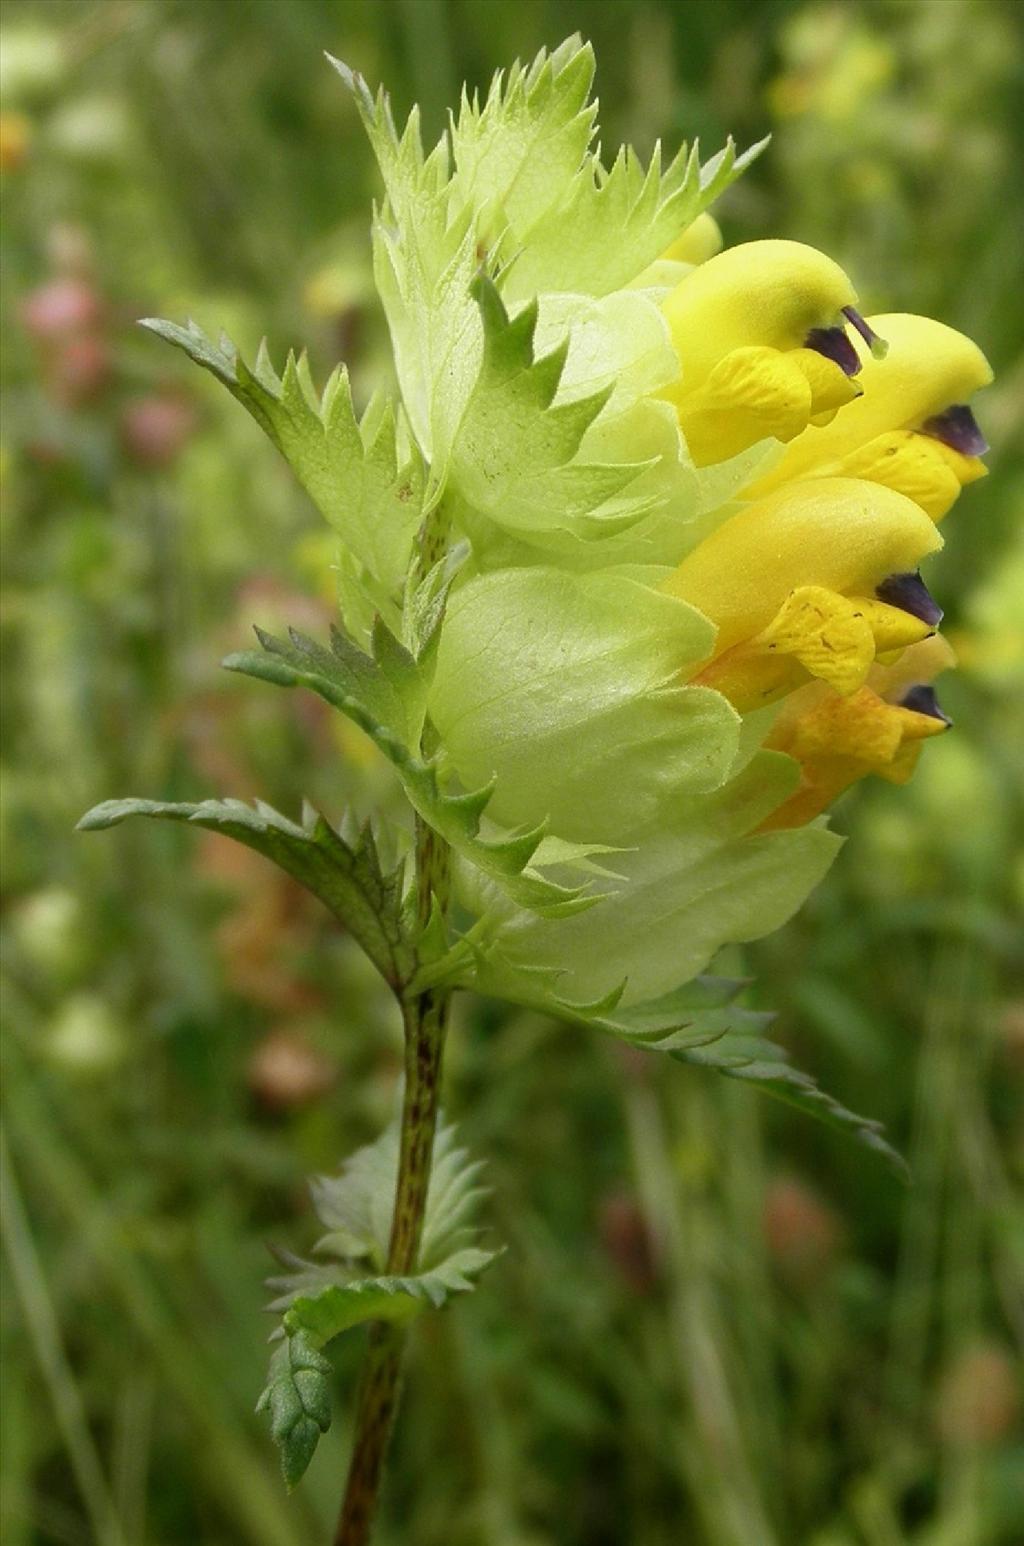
<point>833,343</point>
<point>909,592</point>
<point>957,428</point>
<point>921,699</point>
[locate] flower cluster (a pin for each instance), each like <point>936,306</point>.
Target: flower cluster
<point>629,571</point>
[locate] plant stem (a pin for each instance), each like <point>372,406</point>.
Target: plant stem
<point>425,1018</point>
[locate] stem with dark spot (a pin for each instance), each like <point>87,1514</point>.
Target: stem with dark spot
<point>425,1020</point>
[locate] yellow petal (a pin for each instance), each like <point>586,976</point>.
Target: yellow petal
<point>836,637</point>
<point>753,393</point>
<point>769,293</point>
<point>862,725</point>
<point>840,740</point>
<point>919,663</point>
<point>839,533</point>
<point>699,242</point>
<point>831,388</point>
<point>928,368</point>
<point>818,633</point>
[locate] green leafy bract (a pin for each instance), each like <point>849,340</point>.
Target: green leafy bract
<point>424,257</point>
<point>342,868</point>
<point>610,224</point>
<point>348,1284</point>
<point>364,690</point>
<point>364,475</point>
<point>516,457</point>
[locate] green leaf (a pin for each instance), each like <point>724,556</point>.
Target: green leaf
<point>511,859</point>
<point>340,1306</point>
<point>298,1399</point>
<point>364,476</point>
<point>343,871</point>
<point>702,1024</point>
<point>321,1300</point>
<point>612,223</point>
<point>385,689</point>
<point>355,1206</point>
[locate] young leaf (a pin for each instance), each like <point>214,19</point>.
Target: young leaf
<point>424,256</point>
<point>346,876</point>
<point>298,1398</point>
<point>321,1300</point>
<point>362,475</point>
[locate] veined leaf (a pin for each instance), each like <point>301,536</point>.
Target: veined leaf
<point>364,476</point>
<point>340,1306</point>
<point>511,859</point>
<point>343,871</point>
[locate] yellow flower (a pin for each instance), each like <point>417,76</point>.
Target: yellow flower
<point>912,430</point>
<point>760,333</point>
<point>815,580</point>
<point>878,729</point>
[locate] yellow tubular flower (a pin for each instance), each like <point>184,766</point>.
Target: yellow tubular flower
<point>879,729</point>
<point>817,579</point>
<point>760,333</point>
<point>912,430</point>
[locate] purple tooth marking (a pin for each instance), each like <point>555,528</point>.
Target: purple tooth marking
<point>878,346</point>
<point>957,428</point>
<point>910,594</point>
<point>833,343</point>
<point>921,699</point>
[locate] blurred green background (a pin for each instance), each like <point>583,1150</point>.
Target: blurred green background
<point>716,1324</point>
